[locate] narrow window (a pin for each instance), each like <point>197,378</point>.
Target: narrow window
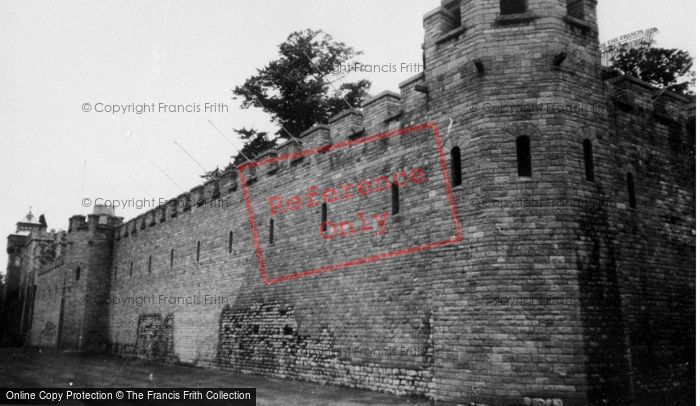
<point>172,256</point>
<point>631,194</point>
<point>77,273</point>
<point>513,6</point>
<point>150,261</point>
<point>690,131</point>
<point>576,8</point>
<point>522,146</point>
<point>675,137</point>
<point>588,160</point>
<point>131,268</point>
<point>272,231</point>
<point>199,247</point>
<point>324,216</point>
<point>116,272</point>
<point>456,166</point>
<point>394,199</point>
<point>230,242</point>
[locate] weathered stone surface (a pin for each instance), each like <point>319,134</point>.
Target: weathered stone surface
<point>557,289</point>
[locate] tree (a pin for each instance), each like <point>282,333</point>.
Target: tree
<point>255,142</point>
<point>661,67</point>
<point>295,89</point>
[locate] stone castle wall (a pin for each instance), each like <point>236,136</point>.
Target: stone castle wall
<point>365,326</point>
<point>651,247</point>
<point>558,288</point>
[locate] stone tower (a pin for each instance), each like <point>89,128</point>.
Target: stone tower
<point>19,258</point>
<point>549,191</point>
<point>85,279</point>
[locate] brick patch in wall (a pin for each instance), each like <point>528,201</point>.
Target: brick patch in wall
<point>264,339</point>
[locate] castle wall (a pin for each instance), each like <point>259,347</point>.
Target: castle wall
<point>218,273</point>
<point>557,289</point>
<point>366,326</point>
<point>652,137</point>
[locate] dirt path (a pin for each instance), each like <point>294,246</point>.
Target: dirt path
<point>31,368</point>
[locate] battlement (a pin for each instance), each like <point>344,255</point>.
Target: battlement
<point>378,114</point>
<point>57,263</point>
<point>93,222</point>
<point>454,17</point>
<point>471,39</point>
<point>632,95</point>
<point>52,235</point>
<point>49,249</point>
<point>199,196</point>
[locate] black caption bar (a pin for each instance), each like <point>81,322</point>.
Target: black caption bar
<point>54,396</point>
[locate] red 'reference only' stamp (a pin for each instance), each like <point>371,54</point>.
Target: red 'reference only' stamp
<point>388,193</point>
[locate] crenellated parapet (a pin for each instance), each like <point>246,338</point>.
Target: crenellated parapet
<point>414,93</point>
<point>52,266</point>
<point>59,244</point>
<point>314,137</point>
<point>442,23</point>
<point>211,191</point>
<point>92,222</point>
<point>346,125</point>
<point>375,116</point>
<point>76,223</point>
<point>273,167</point>
<point>198,197</point>
<point>228,182</point>
<point>184,203</point>
<point>380,110</point>
<point>50,250</point>
<point>628,94</point>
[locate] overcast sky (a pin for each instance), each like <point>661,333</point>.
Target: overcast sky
<point>57,55</point>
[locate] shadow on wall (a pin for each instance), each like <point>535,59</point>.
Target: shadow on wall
<point>601,311</point>
<point>10,322</point>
